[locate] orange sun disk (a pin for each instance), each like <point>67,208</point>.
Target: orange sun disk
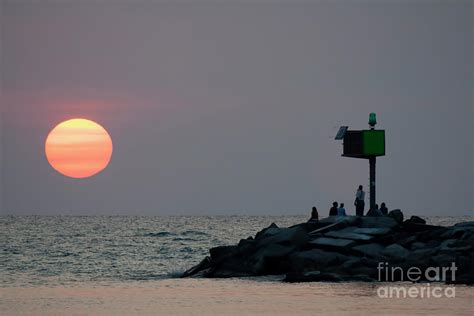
<point>78,148</point>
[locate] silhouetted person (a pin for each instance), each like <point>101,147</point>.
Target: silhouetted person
<point>333,210</point>
<point>341,211</point>
<point>375,212</point>
<point>314,215</point>
<point>383,209</point>
<point>359,201</point>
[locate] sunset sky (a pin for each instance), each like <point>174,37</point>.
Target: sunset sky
<point>232,107</point>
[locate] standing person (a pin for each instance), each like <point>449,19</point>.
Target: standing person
<point>359,201</point>
<point>383,208</point>
<point>341,211</point>
<point>333,210</point>
<point>314,215</point>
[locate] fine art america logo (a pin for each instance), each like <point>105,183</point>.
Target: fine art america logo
<point>388,273</point>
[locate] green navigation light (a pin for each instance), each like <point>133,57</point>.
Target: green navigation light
<point>372,119</point>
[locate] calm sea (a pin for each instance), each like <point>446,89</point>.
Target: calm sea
<point>110,264</point>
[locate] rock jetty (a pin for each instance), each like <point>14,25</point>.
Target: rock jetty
<point>346,249</point>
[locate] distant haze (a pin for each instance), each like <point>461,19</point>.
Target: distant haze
<point>230,107</point>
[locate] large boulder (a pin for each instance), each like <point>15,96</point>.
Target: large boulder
<point>274,251</point>
<point>316,259</point>
<point>335,223</point>
<point>371,250</point>
<point>418,245</point>
<point>295,237</point>
<point>416,220</point>
<point>377,222</point>
<point>420,256</point>
<point>221,252</point>
<point>465,224</point>
<point>376,231</point>
<point>231,269</point>
<point>269,231</point>
<point>348,233</point>
<point>397,215</point>
<point>457,232</point>
<point>465,272</point>
<point>396,252</point>
<point>202,266</point>
<point>349,220</point>
<point>411,227</point>
<point>331,243</point>
<point>272,259</point>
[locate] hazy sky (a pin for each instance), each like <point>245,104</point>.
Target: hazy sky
<point>226,107</point>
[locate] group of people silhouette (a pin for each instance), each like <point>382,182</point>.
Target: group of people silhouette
<point>359,203</point>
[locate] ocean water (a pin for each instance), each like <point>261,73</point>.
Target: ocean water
<point>39,250</point>
<point>130,264</point>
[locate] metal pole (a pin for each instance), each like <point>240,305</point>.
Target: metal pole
<point>372,182</point>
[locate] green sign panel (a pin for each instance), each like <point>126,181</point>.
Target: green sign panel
<point>373,142</point>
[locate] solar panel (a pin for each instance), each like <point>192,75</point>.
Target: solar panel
<point>342,131</point>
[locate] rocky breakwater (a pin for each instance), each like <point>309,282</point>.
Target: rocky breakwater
<point>347,249</point>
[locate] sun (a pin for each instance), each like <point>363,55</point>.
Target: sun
<point>78,148</point>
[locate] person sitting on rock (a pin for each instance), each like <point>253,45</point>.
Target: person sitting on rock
<point>383,209</point>
<point>333,210</point>
<point>375,212</point>
<point>314,215</point>
<point>341,211</point>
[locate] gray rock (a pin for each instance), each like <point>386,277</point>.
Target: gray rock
<point>396,252</point>
<point>418,245</point>
<point>406,241</point>
<point>327,228</point>
<point>457,232</point>
<point>348,235</point>
<point>361,278</point>
<point>221,252</point>
<point>269,231</point>
<point>273,251</point>
<point>377,222</point>
<point>349,220</point>
<point>410,227</point>
<point>397,215</point>
<point>335,223</point>
<point>432,244</point>
<point>316,258</point>
<point>444,259</point>
<point>350,264</point>
<point>295,236</point>
<point>372,231</point>
<point>271,259</point>
<point>455,251</point>
<point>325,242</point>
<point>421,255</point>
<point>372,250</point>
<point>416,220</point>
<point>246,245</point>
<point>203,265</point>
<point>465,224</point>
<point>370,273</point>
<point>448,243</point>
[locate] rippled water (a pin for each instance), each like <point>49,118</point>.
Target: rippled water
<point>118,265</point>
<point>40,250</point>
<point>61,249</point>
